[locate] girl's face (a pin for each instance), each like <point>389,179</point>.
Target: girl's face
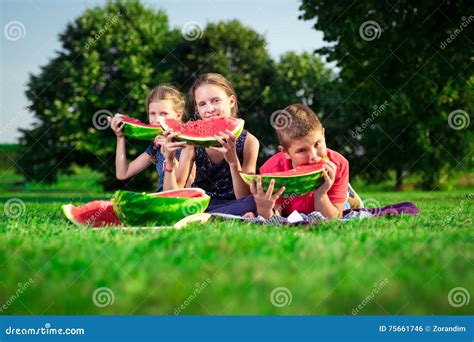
<point>163,108</point>
<point>213,102</point>
<point>308,150</point>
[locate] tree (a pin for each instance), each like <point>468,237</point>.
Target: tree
<point>238,53</point>
<point>106,65</point>
<point>413,61</point>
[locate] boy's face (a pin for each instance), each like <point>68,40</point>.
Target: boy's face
<point>213,102</point>
<point>162,108</point>
<point>308,150</point>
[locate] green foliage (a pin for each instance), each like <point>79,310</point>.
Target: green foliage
<point>408,62</point>
<point>107,63</point>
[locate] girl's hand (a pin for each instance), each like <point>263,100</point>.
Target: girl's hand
<point>265,200</point>
<point>228,149</point>
<point>329,173</point>
<point>117,126</point>
<point>169,147</point>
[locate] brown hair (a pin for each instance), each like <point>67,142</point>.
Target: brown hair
<point>217,80</point>
<point>297,121</point>
<point>165,92</point>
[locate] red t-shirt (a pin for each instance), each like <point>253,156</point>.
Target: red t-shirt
<point>305,203</point>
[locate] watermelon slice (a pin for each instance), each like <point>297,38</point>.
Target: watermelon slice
<point>202,132</point>
<point>297,182</point>
<point>136,129</point>
<point>96,214</point>
<point>164,208</point>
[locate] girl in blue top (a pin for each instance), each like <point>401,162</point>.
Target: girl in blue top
<point>217,169</point>
<point>165,101</point>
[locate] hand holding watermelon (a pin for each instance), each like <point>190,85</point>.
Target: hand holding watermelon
<point>228,148</point>
<point>170,146</point>
<point>265,200</point>
<point>329,174</point>
<point>117,126</point>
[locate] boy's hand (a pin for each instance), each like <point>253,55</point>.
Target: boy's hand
<point>228,149</point>
<point>265,200</point>
<point>168,145</point>
<point>329,173</point>
<point>116,126</point>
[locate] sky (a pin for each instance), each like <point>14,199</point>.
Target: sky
<point>30,30</point>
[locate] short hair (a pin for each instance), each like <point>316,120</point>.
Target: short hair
<point>167,92</point>
<point>295,122</point>
<point>217,80</point>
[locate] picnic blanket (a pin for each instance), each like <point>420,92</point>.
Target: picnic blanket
<point>296,218</point>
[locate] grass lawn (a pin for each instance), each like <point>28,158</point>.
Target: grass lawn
<point>402,265</point>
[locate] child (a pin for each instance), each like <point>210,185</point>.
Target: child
<point>218,168</point>
<point>302,142</point>
<point>163,100</point>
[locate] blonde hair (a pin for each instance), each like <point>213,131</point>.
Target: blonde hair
<point>217,80</point>
<point>301,122</point>
<point>167,92</point>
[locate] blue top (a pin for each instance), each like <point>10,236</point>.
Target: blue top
<point>216,179</point>
<point>160,165</point>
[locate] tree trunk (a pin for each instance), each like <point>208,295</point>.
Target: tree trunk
<point>399,180</point>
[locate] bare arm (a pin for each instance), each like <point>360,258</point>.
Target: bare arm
<point>177,178</point>
<point>124,169</point>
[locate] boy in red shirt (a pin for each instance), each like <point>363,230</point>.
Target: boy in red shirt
<point>302,142</point>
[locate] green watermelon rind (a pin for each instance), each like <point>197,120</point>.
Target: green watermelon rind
<point>296,185</point>
<point>66,209</point>
<point>138,132</point>
<point>205,141</point>
<point>144,210</point>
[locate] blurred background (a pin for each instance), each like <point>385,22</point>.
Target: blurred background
<point>391,81</point>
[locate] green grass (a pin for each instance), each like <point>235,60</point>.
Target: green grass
<point>329,269</point>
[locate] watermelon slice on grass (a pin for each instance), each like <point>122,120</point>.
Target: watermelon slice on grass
<point>202,132</point>
<point>96,214</point>
<point>138,130</point>
<point>297,182</point>
<point>139,209</point>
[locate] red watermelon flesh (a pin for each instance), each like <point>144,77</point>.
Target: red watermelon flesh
<point>203,132</point>
<point>128,119</point>
<point>181,193</point>
<point>96,214</point>
<point>300,170</point>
